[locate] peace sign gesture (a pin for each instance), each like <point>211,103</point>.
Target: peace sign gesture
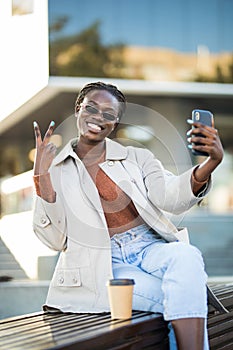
<point>45,150</point>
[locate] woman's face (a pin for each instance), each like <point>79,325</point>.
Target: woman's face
<point>97,116</point>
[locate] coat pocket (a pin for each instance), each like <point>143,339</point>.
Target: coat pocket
<point>73,269</point>
<point>67,278</point>
<point>72,260</point>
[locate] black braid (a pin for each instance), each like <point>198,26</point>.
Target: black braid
<point>102,86</point>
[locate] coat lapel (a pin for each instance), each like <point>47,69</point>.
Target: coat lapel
<point>76,184</point>
<point>118,173</point>
<point>135,189</point>
<point>77,181</point>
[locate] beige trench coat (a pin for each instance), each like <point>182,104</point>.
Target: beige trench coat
<point>75,225</point>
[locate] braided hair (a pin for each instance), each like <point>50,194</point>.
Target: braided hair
<point>112,89</point>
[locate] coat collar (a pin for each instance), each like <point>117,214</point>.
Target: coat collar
<point>114,151</point>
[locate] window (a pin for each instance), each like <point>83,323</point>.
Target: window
<point>22,7</point>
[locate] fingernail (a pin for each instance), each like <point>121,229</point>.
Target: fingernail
<point>189,121</point>
<point>190,146</point>
<point>35,124</point>
<point>188,132</point>
<point>189,139</point>
<point>52,123</point>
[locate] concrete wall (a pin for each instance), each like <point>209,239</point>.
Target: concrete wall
<point>22,297</point>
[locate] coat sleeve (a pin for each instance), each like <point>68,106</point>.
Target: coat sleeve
<point>49,223</point>
<point>169,192</point>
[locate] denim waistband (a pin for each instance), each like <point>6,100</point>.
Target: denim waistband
<point>135,231</point>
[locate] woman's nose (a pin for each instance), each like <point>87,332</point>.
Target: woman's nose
<point>99,115</point>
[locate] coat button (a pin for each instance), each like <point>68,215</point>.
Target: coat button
<point>110,163</point>
<point>61,280</point>
<point>43,220</point>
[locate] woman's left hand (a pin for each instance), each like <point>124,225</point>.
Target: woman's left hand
<point>209,143</point>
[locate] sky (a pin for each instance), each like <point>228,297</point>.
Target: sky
<point>178,24</point>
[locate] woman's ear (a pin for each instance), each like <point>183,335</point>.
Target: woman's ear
<point>116,124</point>
<point>76,111</point>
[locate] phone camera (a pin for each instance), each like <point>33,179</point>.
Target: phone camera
<point>197,116</point>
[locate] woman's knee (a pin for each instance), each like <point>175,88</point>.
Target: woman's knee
<point>187,260</point>
<point>159,258</point>
<point>185,252</point>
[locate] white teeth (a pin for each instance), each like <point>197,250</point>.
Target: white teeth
<point>94,126</point>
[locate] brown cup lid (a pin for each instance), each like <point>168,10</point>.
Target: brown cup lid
<point>121,282</point>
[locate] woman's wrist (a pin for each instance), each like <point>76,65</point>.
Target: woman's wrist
<point>197,185</point>
<point>44,188</point>
<point>198,181</point>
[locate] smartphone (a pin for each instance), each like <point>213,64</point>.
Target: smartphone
<point>204,117</point>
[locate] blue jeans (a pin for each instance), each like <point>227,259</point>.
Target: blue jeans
<point>169,277</point>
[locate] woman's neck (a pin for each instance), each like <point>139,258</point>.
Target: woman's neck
<point>90,152</point>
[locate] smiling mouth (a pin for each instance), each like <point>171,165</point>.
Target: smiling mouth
<point>95,127</point>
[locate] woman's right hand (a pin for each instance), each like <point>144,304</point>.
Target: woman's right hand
<point>45,150</point>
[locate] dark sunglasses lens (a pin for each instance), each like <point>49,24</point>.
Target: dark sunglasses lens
<point>109,116</point>
<point>91,110</point>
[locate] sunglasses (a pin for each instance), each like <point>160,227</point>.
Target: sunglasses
<point>92,110</point>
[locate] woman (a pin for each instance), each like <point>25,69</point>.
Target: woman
<point>102,206</point>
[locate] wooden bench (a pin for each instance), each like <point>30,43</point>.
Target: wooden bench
<point>145,330</point>
<point>83,331</point>
<point>220,326</point>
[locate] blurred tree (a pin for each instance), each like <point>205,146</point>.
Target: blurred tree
<point>219,76</point>
<point>84,54</point>
<point>58,25</point>
<point>231,71</point>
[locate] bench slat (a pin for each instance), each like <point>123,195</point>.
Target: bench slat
<point>46,331</point>
<point>145,330</point>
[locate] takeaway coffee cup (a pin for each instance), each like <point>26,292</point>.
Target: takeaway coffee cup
<point>120,294</point>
